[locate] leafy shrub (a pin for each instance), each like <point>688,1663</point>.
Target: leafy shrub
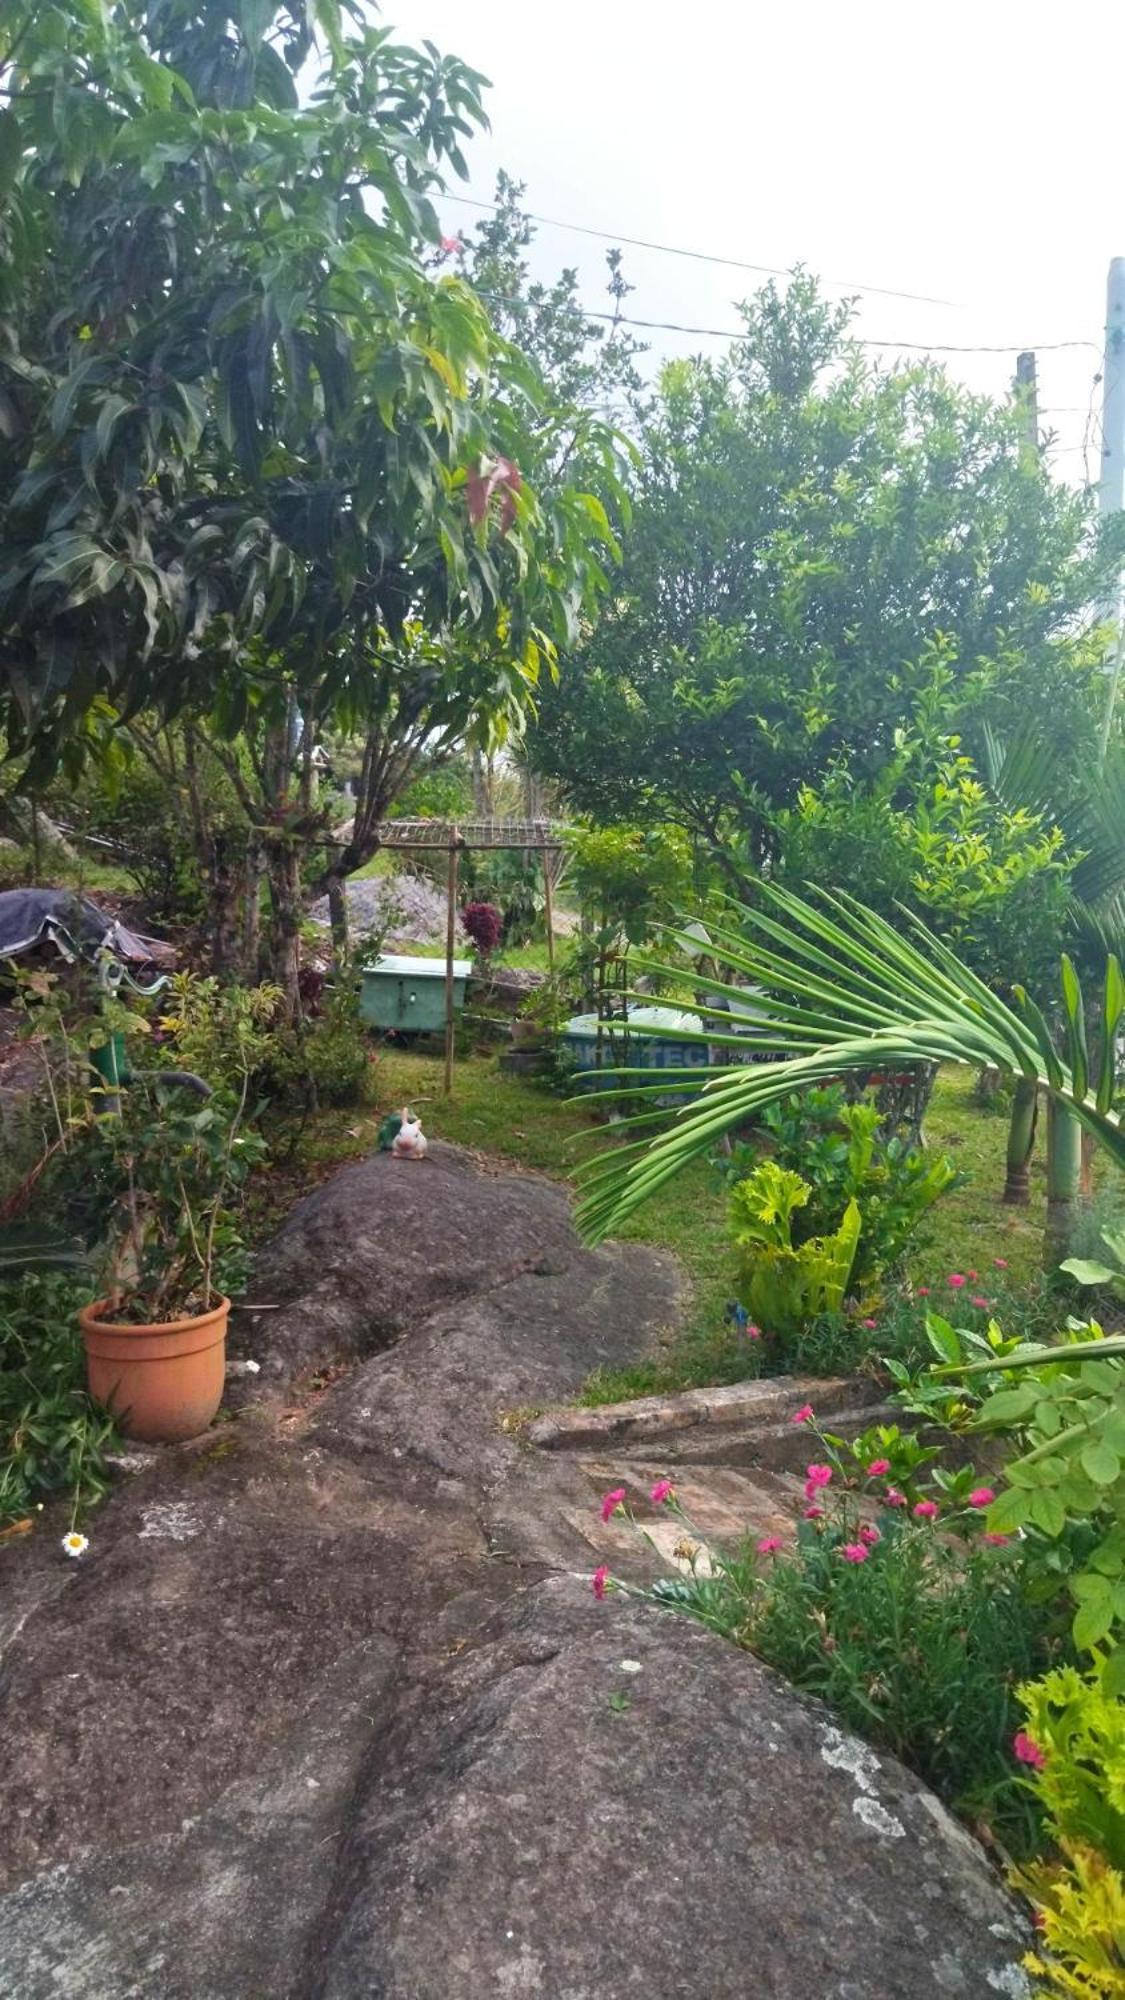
<point>783,1286</point>
<point>52,1438</point>
<point>1064,1406</point>
<point>914,1644</point>
<point>630,877</point>
<point>222,1032</point>
<point>1074,1738</point>
<point>841,1151</point>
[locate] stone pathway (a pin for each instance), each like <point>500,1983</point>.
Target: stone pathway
<point>329,1711</point>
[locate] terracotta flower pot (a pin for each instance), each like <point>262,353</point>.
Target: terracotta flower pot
<point>162,1382</point>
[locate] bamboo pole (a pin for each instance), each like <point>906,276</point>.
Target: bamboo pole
<point>450,923</point>
<point>549,906</point>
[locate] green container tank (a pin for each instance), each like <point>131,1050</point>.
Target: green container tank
<point>409,993</point>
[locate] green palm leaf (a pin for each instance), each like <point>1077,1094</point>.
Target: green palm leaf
<point>845,992</point>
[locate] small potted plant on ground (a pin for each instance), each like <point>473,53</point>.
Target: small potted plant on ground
<point>166,1168</point>
<point>543,1014</point>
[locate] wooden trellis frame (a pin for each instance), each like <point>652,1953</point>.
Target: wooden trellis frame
<point>454,838</point>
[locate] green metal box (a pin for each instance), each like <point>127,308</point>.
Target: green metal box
<point>409,993</point>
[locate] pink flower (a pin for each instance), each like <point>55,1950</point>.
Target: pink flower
<point>450,245</point>
<point>894,1498</point>
<point>819,1475</point>
<point>869,1533</point>
<point>1001,1263</point>
<point>982,1305</point>
<point>769,1545</point>
<point>926,1510</point>
<point>612,1502</point>
<point>870,1324</point>
<point>981,1496</point>
<point>996,1541</point>
<point>955,1280</point>
<point>854,1552</point>
<point>1027,1750</point>
<point>971,1274</point>
<point>753,1332</point>
<point>601,1578</point>
<point>662,1491</point>
<point>878,1467</point>
<point>923,1291</point>
<point>802,1416</point>
<point>814,1513</point>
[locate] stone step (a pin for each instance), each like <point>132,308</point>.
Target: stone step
<point>780,1447</point>
<point>769,1404</point>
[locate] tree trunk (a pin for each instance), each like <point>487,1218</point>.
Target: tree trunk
<point>283,869</point>
<point>1021,1142</point>
<point>225,897</point>
<point>338,916</point>
<point>1064,1174</point>
<point>252,910</point>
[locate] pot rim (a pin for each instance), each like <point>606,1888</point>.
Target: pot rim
<point>89,1316</point>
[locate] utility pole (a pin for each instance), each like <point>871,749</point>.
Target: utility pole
<point>1111,484</point>
<point>1027,400</point>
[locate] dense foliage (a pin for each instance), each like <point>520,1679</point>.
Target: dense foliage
<point>814,539</point>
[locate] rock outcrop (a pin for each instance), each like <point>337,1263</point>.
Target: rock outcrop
<point>304,1725</point>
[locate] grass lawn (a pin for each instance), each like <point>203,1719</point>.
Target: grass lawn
<point>517,1121</point>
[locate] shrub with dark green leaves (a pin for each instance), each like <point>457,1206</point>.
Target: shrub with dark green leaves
<point>53,1440</point>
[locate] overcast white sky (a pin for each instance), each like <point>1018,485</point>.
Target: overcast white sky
<point>967,152</point>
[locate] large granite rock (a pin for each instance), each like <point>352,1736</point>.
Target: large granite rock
<point>291,1731</point>
<point>387,1242</point>
<point>604,1801</point>
<point>502,1353</point>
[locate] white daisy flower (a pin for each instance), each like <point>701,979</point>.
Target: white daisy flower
<point>75,1544</point>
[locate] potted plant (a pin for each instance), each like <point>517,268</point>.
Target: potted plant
<point>166,1168</point>
<point>543,1014</point>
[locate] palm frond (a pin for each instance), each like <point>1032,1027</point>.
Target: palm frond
<point>845,992</point>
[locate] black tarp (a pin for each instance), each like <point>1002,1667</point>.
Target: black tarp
<point>31,917</point>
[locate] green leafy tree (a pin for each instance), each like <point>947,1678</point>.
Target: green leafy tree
<point>809,531</point>
<point>247,436</point>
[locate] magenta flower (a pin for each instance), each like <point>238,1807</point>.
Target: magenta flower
<point>870,1324</point>
<point>894,1498</point>
<point>996,1541</point>
<point>923,1291</point>
<point>1027,1750</point>
<point>878,1467</point>
<point>869,1533</point>
<point>955,1280</point>
<point>450,245</point>
<point>854,1552</point>
<point>1001,1263</point>
<point>981,1305</point>
<point>601,1578</point>
<point>814,1513</point>
<point>981,1496</point>
<point>663,1490</point>
<point>769,1545</point>
<point>802,1416</point>
<point>612,1501</point>
<point>753,1332</point>
<point>819,1475</point>
<point>926,1510</point>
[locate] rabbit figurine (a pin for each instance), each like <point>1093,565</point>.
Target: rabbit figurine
<point>410,1140</point>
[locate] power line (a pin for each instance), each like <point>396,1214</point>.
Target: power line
<point>728,333</point>
<point>699,256</point>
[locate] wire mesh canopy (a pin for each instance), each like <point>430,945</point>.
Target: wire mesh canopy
<point>544,834</point>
